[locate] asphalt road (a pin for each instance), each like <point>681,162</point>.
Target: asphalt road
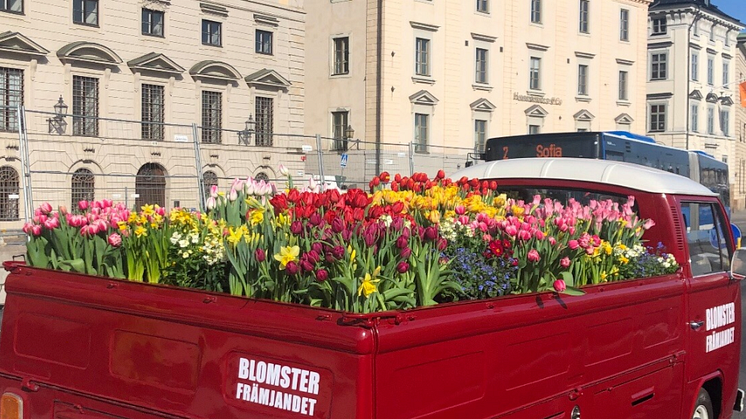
<point>739,218</point>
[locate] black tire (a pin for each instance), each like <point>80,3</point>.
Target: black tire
<point>703,407</point>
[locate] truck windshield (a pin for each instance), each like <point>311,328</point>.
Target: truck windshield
<point>583,197</point>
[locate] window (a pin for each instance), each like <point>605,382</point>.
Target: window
<point>85,106</point>
<point>584,6</point>
<point>422,57</point>
<point>536,11</point>
<point>711,121</point>
<point>11,95</point>
<point>481,76</point>
<point>150,185</point>
<point>211,33</point>
<point>710,71</point>
<point>583,80</point>
<point>8,191</point>
<point>534,129</point>
<point>264,110</point>
<point>657,118</point>
<point>13,6</point>
<point>703,233</point>
<point>624,25</point>
<point>535,74</point>
<point>725,122</point>
<point>480,135</point>
<point>421,132</point>
<point>339,126</point>
<point>623,85</point>
<point>85,12</point>
<point>341,55</point>
<point>82,186</point>
<point>212,117</point>
<point>695,29</point>
<point>152,112</point>
<point>152,22</point>
<point>695,66</point>
<point>209,179</point>
<point>658,66</point>
<point>712,34</point>
<point>263,42</point>
<point>726,73</point>
<point>483,6</point>
<point>694,114</point>
<point>659,26</point>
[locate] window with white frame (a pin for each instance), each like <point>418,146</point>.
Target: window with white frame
<point>694,116</point>
<point>534,82</point>
<point>695,66</point>
<point>11,6</point>
<point>85,106</point>
<point>483,6</point>
<point>623,83</point>
<point>535,11</point>
<point>480,135</point>
<point>481,66</point>
<point>657,117</point>
<point>658,66</point>
<point>695,29</point>
<point>584,15</point>
<point>11,95</point>
<point>211,33</point>
<point>725,122</point>
<point>710,70</point>
<point>534,129</point>
<point>85,12</point>
<point>263,42</point>
<point>339,127</point>
<point>726,73</point>
<point>624,25</point>
<point>659,26</point>
<point>582,80</point>
<point>712,33</point>
<point>152,22</point>
<point>422,57</point>
<point>421,132</point>
<point>710,120</point>
<point>341,55</point>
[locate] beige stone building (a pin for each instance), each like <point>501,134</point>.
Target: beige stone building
<point>738,190</point>
<point>453,73</point>
<point>692,89</point>
<point>167,64</point>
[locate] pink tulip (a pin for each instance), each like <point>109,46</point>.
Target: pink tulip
<point>565,262</point>
<point>460,210</point>
<point>524,235</point>
<point>538,234</point>
<point>584,240</point>
<point>214,191</point>
<point>82,205</point>
<point>559,285</point>
<point>648,224</point>
<point>52,223</point>
<point>115,240</point>
<point>85,231</point>
<point>36,230</point>
<point>463,220</point>
<point>97,204</point>
<point>63,209</point>
<point>573,244</point>
<point>106,203</point>
<point>210,203</point>
<point>46,208</point>
<point>552,240</point>
<point>533,256</point>
<point>27,227</point>
<point>511,230</point>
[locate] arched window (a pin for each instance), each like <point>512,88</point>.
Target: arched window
<point>261,176</point>
<point>9,193</point>
<point>150,185</point>
<point>83,184</point>
<point>209,178</point>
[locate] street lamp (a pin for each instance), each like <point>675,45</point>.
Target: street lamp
<point>244,136</point>
<point>57,124</point>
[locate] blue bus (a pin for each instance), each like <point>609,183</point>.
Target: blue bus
<point>619,146</point>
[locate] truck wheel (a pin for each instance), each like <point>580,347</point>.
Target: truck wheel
<point>703,408</point>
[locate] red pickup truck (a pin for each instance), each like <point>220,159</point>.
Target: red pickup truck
<point>78,347</point>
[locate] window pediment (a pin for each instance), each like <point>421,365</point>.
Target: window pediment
<point>423,97</point>
<point>267,78</point>
<point>89,52</point>
<point>583,115</point>
<point>624,119</point>
<point>155,62</point>
<point>695,94</point>
<point>20,44</point>
<point>216,70</point>
<point>726,101</point>
<point>536,111</point>
<point>483,105</point>
<point>712,98</point>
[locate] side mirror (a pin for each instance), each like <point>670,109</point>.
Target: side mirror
<point>738,264</point>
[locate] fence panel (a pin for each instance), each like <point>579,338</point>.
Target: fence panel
<point>450,159</point>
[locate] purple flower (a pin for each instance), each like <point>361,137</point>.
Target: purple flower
<point>322,275</point>
<point>338,225</point>
<point>338,252</point>
<point>317,247</point>
<point>431,233</point>
<point>315,219</point>
<point>402,267</point>
<point>313,256</point>
<point>291,268</point>
<point>296,227</point>
<point>405,253</point>
<point>402,242</point>
<point>260,255</point>
<point>305,264</point>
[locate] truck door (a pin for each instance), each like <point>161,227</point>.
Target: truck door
<point>713,298</point>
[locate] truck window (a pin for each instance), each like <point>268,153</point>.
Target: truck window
<point>584,197</point>
<point>708,248</point>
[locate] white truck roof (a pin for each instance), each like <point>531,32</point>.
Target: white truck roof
<point>628,175</point>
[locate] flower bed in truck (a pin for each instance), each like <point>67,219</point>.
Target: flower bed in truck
<point>411,241</point>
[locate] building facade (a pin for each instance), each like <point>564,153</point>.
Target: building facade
<point>692,87</point>
<point>452,73</point>
<point>185,72</point>
<point>738,190</point>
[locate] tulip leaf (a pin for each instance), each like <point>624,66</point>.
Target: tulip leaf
<point>573,291</point>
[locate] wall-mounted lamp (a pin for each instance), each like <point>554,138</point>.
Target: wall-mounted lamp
<point>244,136</point>
<point>58,124</point>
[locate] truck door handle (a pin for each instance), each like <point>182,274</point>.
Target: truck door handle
<point>697,325</point>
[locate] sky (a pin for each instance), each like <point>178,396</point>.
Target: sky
<point>735,8</point>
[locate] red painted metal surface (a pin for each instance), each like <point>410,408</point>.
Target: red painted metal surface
<point>78,347</point>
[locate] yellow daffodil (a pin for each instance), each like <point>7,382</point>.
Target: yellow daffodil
<point>140,231</point>
<point>234,236</point>
<point>147,209</point>
<point>368,286</point>
<point>352,253</point>
<point>257,217</point>
<point>287,254</point>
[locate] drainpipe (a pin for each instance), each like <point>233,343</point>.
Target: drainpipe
<point>379,84</point>
<point>688,72</point>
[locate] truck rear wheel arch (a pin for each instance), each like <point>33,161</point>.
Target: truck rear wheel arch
<point>714,388</point>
